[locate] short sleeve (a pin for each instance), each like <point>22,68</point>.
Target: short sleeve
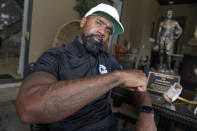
<point>48,62</point>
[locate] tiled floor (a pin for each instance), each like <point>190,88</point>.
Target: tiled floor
<point>8,118</point>
<point>9,121</point>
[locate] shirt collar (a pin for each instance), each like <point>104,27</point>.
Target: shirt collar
<point>79,49</point>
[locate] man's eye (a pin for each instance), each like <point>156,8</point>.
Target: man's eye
<point>98,22</point>
<point>108,31</point>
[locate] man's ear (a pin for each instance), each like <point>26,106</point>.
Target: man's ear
<point>83,22</point>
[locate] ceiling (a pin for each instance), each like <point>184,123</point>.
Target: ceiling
<point>174,2</point>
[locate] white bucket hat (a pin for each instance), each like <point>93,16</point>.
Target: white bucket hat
<point>110,13</point>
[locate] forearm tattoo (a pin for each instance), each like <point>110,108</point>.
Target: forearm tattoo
<point>55,104</point>
<point>54,87</point>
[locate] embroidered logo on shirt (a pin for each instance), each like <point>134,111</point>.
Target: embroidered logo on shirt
<point>102,69</point>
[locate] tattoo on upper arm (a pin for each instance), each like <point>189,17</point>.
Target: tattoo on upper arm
<point>55,104</point>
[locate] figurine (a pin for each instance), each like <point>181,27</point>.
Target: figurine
<point>169,32</point>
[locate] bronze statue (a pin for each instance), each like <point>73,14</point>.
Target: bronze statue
<point>169,32</point>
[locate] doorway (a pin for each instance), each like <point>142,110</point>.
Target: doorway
<point>12,46</point>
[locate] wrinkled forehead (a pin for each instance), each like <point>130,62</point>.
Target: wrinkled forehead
<point>105,21</point>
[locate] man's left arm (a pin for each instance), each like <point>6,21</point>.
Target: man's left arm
<point>145,120</point>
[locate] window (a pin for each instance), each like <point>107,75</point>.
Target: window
<point>14,23</point>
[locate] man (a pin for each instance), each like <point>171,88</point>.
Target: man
<point>70,85</point>
<point>169,32</point>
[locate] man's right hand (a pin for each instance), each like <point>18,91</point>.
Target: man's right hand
<point>134,80</point>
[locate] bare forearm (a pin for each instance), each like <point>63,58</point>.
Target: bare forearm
<point>79,93</point>
<point>145,120</point>
<point>142,99</point>
<point>55,101</point>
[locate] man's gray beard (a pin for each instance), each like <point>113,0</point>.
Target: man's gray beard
<point>90,44</point>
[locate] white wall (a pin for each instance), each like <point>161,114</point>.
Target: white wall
<point>47,17</point>
<point>137,18</point>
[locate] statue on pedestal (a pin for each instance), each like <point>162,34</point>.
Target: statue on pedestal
<point>169,32</point>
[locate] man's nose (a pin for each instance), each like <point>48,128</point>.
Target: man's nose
<point>102,30</point>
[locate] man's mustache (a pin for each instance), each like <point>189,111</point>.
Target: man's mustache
<point>98,36</point>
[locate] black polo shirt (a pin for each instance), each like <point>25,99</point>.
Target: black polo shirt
<point>73,61</point>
